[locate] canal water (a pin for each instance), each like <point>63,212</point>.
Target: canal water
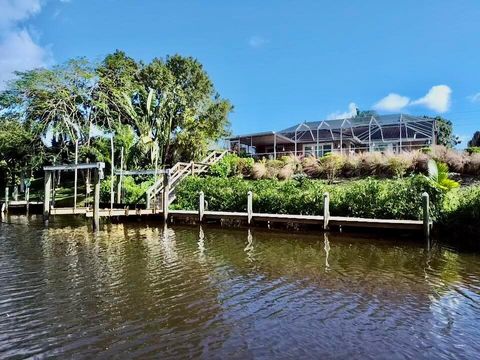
<point>140,290</point>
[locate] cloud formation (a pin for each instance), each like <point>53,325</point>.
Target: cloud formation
<point>438,99</point>
<point>392,102</point>
<point>18,50</point>
<point>351,112</point>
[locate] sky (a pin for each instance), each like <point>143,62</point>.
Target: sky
<point>279,62</point>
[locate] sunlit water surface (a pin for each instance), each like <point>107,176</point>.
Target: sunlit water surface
<point>140,290</point>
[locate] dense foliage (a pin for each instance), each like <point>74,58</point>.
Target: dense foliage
<point>397,199</point>
<point>159,112</point>
<point>334,166</point>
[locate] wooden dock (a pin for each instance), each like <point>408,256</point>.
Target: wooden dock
<point>161,208</point>
<point>340,221</point>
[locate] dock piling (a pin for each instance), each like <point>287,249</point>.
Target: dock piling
<point>249,207</point>
<point>166,194</point>
<point>6,198</point>
<point>46,195</point>
<point>326,210</point>
<point>426,215</point>
<point>97,176</point>
<point>201,206</point>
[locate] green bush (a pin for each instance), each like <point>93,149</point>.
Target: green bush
<point>396,199</point>
<point>232,165</point>
<point>132,190</point>
<point>461,215</point>
<point>473,150</point>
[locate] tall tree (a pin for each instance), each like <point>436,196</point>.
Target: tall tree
<point>57,100</point>
<point>445,135</point>
<point>475,141</point>
<point>167,102</point>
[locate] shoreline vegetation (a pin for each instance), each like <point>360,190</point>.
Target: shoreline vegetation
<point>369,185</point>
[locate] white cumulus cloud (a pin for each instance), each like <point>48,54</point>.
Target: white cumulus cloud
<point>18,50</point>
<point>436,99</point>
<point>351,112</point>
<point>392,102</point>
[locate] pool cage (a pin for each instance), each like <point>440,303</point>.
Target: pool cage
<point>395,133</point>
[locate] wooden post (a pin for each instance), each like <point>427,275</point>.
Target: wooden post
<point>75,181</point>
<point>119,185</point>
<point>201,206</point>
<point>96,199</point>
<point>6,199</point>
<point>426,215</point>
<point>192,165</point>
<point>46,195</point>
<point>166,191</point>
<point>54,181</point>
<point>326,210</point>
<point>112,172</point>
<point>249,207</point>
<point>27,198</point>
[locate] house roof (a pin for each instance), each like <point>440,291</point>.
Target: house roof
<point>358,129</point>
<point>333,124</point>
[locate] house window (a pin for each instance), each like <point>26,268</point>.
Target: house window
<point>317,150</point>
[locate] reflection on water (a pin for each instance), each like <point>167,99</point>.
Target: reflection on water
<point>147,290</point>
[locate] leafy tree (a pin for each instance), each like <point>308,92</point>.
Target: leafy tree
<point>475,142</point>
<point>170,104</point>
<point>20,151</point>
<point>57,101</point>
<point>445,134</point>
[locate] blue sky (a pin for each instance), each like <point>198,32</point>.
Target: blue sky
<point>279,62</point>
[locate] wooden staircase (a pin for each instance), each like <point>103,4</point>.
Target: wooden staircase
<point>156,192</point>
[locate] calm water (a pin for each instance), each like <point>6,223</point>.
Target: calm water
<point>139,291</point>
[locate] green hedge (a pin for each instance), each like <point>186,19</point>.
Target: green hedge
<point>396,199</point>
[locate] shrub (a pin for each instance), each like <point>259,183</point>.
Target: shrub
<point>455,160</point>
<point>286,172</point>
<point>225,167</point>
<point>131,190</point>
<point>259,170</point>
<point>472,166</point>
<point>398,165</point>
<point>371,163</point>
<point>473,150</point>
<point>397,199</point>
<point>273,167</point>
<point>311,167</point>
<point>331,165</point>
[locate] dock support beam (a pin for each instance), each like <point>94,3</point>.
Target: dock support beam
<point>426,215</point>
<point>166,192</point>
<point>46,195</point>
<point>249,207</point>
<point>96,199</point>
<point>326,210</point>
<point>6,199</point>
<point>201,206</point>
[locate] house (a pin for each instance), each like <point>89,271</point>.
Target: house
<point>395,133</point>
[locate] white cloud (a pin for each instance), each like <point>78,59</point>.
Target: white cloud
<point>352,111</point>
<point>14,11</point>
<point>474,98</point>
<point>392,102</point>
<point>18,51</point>
<point>437,99</point>
<point>257,41</point>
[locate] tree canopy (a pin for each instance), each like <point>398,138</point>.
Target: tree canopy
<point>475,141</point>
<point>162,111</point>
